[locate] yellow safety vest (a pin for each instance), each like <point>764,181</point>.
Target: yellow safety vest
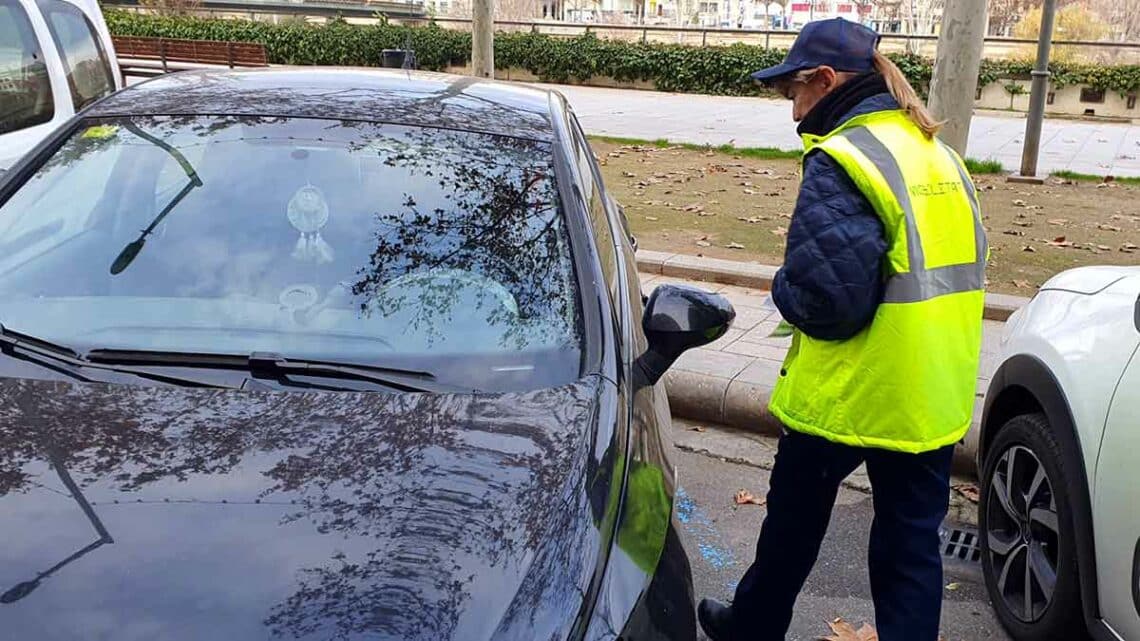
<point>907,381</point>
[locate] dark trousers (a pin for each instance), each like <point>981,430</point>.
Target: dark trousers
<point>910,495</point>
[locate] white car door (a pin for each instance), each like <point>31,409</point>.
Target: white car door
<point>1116,508</point>
<point>56,58</point>
<point>34,97</point>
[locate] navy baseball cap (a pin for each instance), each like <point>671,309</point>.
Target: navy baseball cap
<point>837,43</point>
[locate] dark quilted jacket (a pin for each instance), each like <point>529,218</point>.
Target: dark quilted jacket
<point>832,282</point>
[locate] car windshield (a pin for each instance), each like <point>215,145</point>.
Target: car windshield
<point>433,249</point>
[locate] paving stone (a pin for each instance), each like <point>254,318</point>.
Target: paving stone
<point>721,344</point>
<point>757,350</point>
<point>760,372</point>
<point>712,363</point>
<point>749,317</point>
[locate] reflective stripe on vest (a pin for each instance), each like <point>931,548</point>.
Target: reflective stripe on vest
<point>920,283</point>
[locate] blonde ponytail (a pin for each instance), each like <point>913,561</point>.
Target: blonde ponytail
<point>905,95</point>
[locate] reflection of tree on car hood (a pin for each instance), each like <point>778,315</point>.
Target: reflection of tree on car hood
<point>423,502</point>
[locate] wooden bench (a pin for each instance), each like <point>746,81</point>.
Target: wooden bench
<point>169,50</point>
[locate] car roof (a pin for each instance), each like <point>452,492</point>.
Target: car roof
<point>401,97</point>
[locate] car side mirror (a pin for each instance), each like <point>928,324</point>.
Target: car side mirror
<point>677,319</point>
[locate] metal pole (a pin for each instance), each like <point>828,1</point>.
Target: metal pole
<point>1037,93</point>
<point>482,39</point>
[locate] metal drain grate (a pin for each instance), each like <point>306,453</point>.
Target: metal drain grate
<point>961,543</point>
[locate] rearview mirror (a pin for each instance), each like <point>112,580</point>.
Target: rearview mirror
<point>677,319</point>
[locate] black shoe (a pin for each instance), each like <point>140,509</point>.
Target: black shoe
<point>716,619</point>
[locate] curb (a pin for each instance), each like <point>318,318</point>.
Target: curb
<point>999,307</point>
<point>735,403</point>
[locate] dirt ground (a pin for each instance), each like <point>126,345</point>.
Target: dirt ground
<point>724,206</point>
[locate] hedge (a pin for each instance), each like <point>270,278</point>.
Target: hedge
<point>669,67</point>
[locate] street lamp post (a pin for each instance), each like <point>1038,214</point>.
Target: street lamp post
<point>1037,93</point>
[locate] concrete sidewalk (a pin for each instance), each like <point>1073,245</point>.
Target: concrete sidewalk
<point>1082,146</point>
<point>729,381</point>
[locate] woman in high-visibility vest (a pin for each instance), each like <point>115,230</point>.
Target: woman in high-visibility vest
<point>882,280</point>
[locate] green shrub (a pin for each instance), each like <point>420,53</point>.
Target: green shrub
<point>669,67</point>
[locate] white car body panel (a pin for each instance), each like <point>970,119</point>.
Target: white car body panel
<point>15,144</point>
<point>1084,340</point>
<point>1082,327</point>
<point>1116,518</point>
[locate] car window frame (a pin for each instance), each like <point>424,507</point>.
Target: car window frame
<point>597,307</point>
<point>25,26</point>
<point>60,7</point>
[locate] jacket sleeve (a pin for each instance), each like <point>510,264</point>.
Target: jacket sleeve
<point>831,282</point>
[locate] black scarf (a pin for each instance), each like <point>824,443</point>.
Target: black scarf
<point>829,112</point>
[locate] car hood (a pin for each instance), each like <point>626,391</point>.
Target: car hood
<point>185,514</point>
<point>1089,280</point>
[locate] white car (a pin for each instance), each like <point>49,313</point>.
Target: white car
<point>56,58</point>
<point>1059,457</point>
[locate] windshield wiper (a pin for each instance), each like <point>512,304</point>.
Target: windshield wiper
<point>131,251</point>
<point>66,361</point>
<point>280,368</point>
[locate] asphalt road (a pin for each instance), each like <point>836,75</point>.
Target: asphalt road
<point>721,536</point>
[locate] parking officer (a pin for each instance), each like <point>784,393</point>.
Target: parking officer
<point>882,280</point>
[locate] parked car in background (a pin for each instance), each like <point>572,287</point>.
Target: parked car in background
<point>56,58</point>
<point>333,355</point>
<point>1060,437</point>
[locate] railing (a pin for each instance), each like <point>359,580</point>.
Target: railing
<point>320,8</point>
<point>414,12</point>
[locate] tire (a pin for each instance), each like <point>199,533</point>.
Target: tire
<point>1027,534</point>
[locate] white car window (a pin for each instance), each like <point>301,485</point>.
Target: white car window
<point>25,87</point>
<point>88,68</point>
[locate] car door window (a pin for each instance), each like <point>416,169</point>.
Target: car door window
<point>88,68</point>
<point>25,87</point>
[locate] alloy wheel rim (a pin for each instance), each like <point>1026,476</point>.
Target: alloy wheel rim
<point>1023,537</point>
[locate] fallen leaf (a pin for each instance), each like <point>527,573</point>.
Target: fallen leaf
<point>752,219</point>
<point>780,231</point>
<point>1058,221</point>
<point>1060,242</point>
<point>706,213</point>
<point>1013,232</point>
<point>953,586</point>
<point>1104,248</point>
<point>749,192</point>
<point>844,631</point>
<point>1029,248</point>
<point>1107,227</point>
<point>1128,248</point>
<point>703,243</point>
<point>1023,223</point>
<point>693,207</point>
<point>1021,284</point>
<point>968,490</point>
<point>629,174</point>
<point>652,218</point>
<point>698,429</point>
<point>744,497</point>
<point>734,246</point>
<point>1019,203</point>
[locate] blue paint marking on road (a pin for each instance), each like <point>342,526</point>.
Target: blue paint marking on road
<point>698,525</point>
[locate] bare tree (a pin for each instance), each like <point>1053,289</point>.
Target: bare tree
<point>171,7</point>
<point>1122,15</point>
<point>518,9</point>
